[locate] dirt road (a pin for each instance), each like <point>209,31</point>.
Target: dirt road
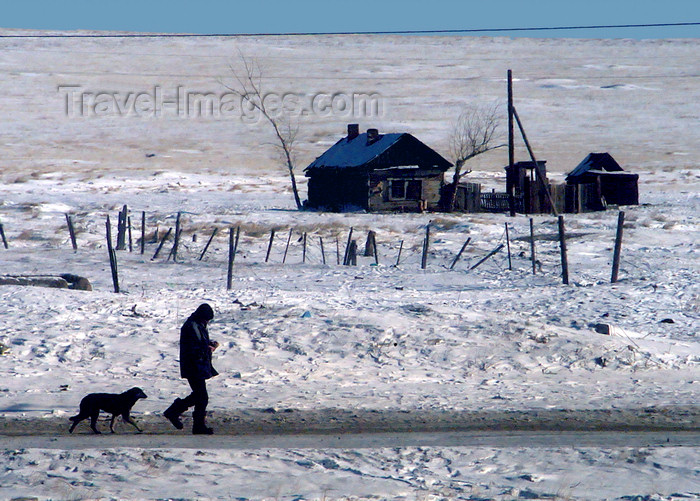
<point>502,439</point>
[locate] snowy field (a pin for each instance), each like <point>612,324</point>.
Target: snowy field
<point>309,336</point>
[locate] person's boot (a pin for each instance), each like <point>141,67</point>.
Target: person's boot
<point>200,427</point>
<point>173,412</point>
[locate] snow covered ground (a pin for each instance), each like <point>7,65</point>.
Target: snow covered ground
<point>310,336</point>
<point>410,473</point>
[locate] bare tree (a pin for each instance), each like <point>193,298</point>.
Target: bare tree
<point>248,87</point>
<point>474,133</point>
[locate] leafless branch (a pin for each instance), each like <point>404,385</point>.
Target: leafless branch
<point>474,133</point>
<point>248,87</point>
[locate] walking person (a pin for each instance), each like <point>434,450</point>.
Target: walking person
<point>195,365</point>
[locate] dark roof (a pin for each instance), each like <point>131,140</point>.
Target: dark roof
<point>388,150</point>
<point>596,162</point>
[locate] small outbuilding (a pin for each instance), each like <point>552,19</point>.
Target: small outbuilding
<point>600,173</point>
<point>376,172</point>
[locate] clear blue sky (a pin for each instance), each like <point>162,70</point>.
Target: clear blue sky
<point>266,16</point>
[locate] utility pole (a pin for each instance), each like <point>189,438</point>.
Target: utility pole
<point>511,147</point>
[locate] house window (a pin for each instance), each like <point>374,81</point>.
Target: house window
<point>398,190</point>
<point>413,190</point>
<point>401,189</point>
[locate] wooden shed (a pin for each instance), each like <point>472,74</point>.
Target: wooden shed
<point>530,195</point>
<point>604,175</point>
<point>376,172</point>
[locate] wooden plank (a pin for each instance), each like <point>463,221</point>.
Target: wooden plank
<point>52,282</point>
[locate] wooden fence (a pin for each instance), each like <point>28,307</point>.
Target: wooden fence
<point>497,201</point>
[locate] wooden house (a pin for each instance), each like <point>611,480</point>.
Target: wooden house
<point>376,172</point>
<point>605,181</point>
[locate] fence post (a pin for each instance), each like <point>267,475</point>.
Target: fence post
<point>426,246</point>
<point>112,257</point>
<point>510,188</point>
<point>2,234</point>
<point>165,237</point>
<point>532,246</point>
<point>323,252</point>
<point>500,246</point>
<point>618,247</point>
<point>178,230</point>
<point>398,258</point>
<point>376,254</point>
<point>269,246</point>
<point>368,243</point>
<point>352,254</point>
<point>347,248</point>
<point>510,261</point>
<point>289,239</point>
<point>303,254</point>
<point>71,230</point>
<point>562,246</point>
<point>459,254</point>
<point>235,245</point>
<point>121,229</point>
<point>229,273</point>
<point>143,231</point>
<point>131,242</point>
<point>206,247</point>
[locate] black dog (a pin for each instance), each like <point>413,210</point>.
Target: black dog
<point>112,403</point>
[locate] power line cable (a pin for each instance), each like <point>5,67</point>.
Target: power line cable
<point>388,32</point>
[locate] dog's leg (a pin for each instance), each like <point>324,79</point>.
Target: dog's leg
<point>111,423</point>
<point>128,419</point>
<point>76,420</point>
<point>93,422</point>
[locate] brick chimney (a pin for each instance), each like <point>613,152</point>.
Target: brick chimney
<point>353,131</point>
<point>372,135</point>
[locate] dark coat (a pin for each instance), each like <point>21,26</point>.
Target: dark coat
<point>195,351</point>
